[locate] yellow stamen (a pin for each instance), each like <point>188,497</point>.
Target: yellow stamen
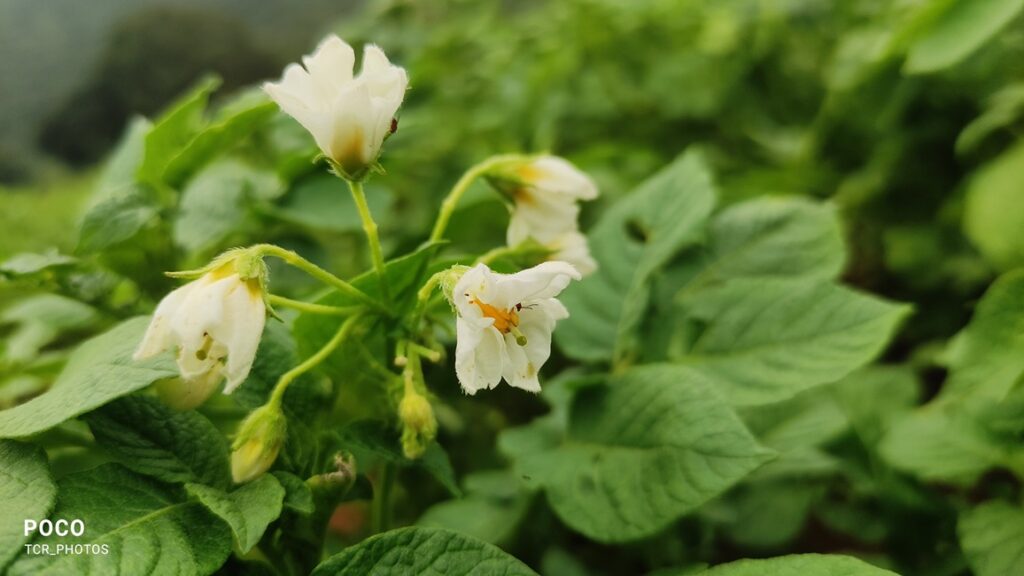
<point>504,320</point>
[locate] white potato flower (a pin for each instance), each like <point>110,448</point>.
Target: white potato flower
<point>348,116</point>
<point>546,191</point>
<point>505,322</point>
<point>215,323</point>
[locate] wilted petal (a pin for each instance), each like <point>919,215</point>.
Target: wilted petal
<point>159,337</point>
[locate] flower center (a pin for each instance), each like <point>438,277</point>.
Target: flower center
<point>504,320</point>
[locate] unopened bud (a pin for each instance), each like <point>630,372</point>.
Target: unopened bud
<point>259,440</point>
<point>419,427</point>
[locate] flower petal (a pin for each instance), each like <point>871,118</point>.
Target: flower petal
<point>330,66</point>
<point>159,336</point>
<point>519,369</point>
<point>546,280</point>
<point>244,319</point>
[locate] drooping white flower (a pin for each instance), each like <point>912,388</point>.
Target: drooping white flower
<point>215,323</point>
<point>505,322</point>
<point>546,191</point>
<point>348,116</point>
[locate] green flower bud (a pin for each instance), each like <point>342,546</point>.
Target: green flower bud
<point>259,440</point>
<point>419,427</point>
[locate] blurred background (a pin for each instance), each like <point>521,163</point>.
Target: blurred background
<point>907,114</point>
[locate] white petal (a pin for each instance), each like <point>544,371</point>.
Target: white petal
<point>519,369</point>
<point>476,284</point>
<point>158,335</point>
<point>351,141</point>
<point>330,66</point>
<point>546,280</point>
<point>478,356</point>
<point>240,332</point>
<point>541,217</point>
<point>557,175</point>
<point>572,247</point>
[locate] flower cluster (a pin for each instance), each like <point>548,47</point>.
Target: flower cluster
<point>546,191</point>
<point>504,322</point>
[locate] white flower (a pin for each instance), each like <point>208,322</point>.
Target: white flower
<point>505,322</point>
<point>546,191</point>
<point>349,117</point>
<point>215,323</point>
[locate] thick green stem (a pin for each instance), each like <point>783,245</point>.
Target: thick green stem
<point>288,377</point>
<point>319,273</point>
<point>460,188</point>
<point>370,227</point>
<point>313,308</point>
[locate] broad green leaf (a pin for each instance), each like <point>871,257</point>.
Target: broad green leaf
<point>960,29</point>
<point>994,209</point>
<point>376,439</point>
<point>322,201</point>
<point>116,219</point>
<point>992,537</point>
<point>768,515</point>
<point>248,510</point>
<point>214,204</point>
<point>40,320</point>
<point>800,565</point>
<point>791,237</point>
<point>225,132</point>
<point>99,371</point>
<point>422,551</point>
<point>28,263</point>
<point>147,527</point>
<point>939,443</point>
<point>491,509</point>
<point>123,165</point>
<point>652,445</point>
<point>175,128</point>
<point>767,339</point>
<point>631,242</point>
<point>152,439</point>
<point>27,492</point>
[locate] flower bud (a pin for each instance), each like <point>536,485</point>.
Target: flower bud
<point>419,427</point>
<point>259,440</point>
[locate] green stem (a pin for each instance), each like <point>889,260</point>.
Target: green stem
<point>380,519</point>
<point>460,188</point>
<point>288,377</point>
<point>319,273</point>
<point>370,227</point>
<point>313,308</point>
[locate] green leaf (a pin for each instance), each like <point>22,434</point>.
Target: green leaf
<point>652,445</point>
<point>939,442</point>
<point>214,204</point>
<point>767,339</point>
<point>150,438</point>
<point>994,209</point>
<point>1002,110</point>
<point>28,263</point>
<point>422,551</point>
<point>99,371</point>
<point>116,219</point>
<point>247,510</point>
<point>992,537</point>
<point>27,492</point>
<point>957,31</point>
<point>986,359</point>
<point>297,494</point>
<point>800,565</point>
<point>123,165</point>
<point>631,242</point>
<point>791,237</point>
<point>322,201</point>
<point>146,526</point>
<point>875,397</point>
<point>175,128</point>
<point>40,320</point>
<point>494,505</point>
<point>226,132</point>
<point>373,438</point>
